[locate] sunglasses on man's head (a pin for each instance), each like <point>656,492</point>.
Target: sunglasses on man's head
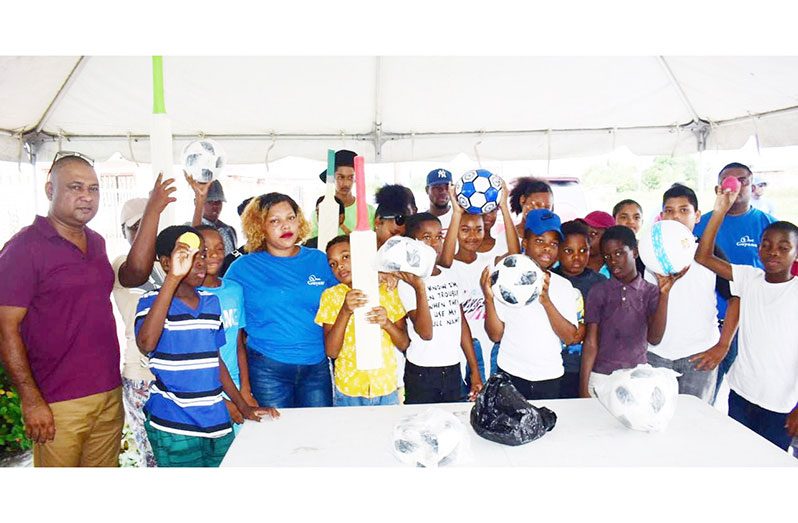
<point>72,154</point>
<point>399,219</point>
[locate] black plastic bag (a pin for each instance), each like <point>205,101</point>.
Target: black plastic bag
<point>503,415</point>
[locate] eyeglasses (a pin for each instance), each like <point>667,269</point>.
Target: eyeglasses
<point>399,219</point>
<point>72,154</point>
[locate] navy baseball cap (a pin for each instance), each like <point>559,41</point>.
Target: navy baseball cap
<point>343,158</point>
<point>539,221</point>
<point>438,177</point>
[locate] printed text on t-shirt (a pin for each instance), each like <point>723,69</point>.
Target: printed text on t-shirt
<point>443,304</point>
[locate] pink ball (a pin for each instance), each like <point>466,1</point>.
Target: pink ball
<point>731,183</point>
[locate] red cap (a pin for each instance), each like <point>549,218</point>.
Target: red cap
<point>599,220</point>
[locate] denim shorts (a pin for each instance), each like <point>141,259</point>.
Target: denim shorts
<point>288,385</point>
<point>342,400</point>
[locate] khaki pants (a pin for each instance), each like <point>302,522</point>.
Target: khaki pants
<point>88,432</point>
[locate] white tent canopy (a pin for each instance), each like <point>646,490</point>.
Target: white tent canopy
<point>400,108</point>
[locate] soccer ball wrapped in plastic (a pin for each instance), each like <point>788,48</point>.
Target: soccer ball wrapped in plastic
<point>517,280</point>
<point>667,247</point>
<point>203,160</point>
<point>643,398</point>
<point>478,191</point>
<point>428,439</point>
<point>403,254</point>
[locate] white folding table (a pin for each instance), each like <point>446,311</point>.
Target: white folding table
<point>585,435</point>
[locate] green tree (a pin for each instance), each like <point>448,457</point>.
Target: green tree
<point>12,429</point>
<point>620,176</point>
<point>666,170</point>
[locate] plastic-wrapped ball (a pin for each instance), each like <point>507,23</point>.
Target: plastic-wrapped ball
<point>643,398</point>
<point>517,280</point>
<point>203,160</point>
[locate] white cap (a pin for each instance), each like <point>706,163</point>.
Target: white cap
<point>132,211</point>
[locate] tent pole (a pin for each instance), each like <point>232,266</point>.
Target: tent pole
<point>677,86</point>
<point>61,93</point>
<point>29,149</point>
<point>377,133</point>
<point>699,126</point>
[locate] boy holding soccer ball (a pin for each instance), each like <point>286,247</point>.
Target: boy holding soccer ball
<point>692,344</point>
<point>467,231</point>
<point>439,332</point>
<point>531,337</point>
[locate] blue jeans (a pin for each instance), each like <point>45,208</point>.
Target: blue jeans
<point>287,385</point>
<point>766,423</point>
<point>698,383</point>
<point>342,400</point>
<point>494,354</point>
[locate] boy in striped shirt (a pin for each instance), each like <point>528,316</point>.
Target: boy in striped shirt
<point>180,329</point>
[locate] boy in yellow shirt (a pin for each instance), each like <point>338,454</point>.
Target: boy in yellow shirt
<point>355,387</point>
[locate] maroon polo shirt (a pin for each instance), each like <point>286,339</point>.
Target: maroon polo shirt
<point>621,311</point>
<point>69,328</point>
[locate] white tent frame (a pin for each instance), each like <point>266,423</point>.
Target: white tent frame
<point>33,139</point>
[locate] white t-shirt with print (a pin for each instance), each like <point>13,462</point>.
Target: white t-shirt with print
<point>443,297</point>
<point>529,347</point>
<point>473,301</point>
<point>766,369</point>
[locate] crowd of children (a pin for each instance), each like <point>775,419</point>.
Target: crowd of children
<point>600,310</point>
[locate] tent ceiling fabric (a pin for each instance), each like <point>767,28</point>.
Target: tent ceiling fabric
<point>427,107</point>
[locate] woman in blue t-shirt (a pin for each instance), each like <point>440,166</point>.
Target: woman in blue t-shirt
<point>282,284</point>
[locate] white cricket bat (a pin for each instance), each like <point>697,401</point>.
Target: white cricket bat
<point>363,253</point>
<point>328,208</point>
<point>161,137</point>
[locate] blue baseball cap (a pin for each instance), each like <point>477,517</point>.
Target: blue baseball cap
<point>539,221</point>
<point>438,177</point>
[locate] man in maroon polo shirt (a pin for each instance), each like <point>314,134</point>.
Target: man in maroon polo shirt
<point>57,333</point>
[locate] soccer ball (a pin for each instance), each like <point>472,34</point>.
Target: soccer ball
<point>517,280</point>
<point>403,254</point>
<point>203,160</point>
<point>643,398</point>
<point>478,191</point>
<point>428,439</point>
<point>667,248</point>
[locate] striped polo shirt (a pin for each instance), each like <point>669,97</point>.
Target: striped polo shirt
<point>186,395</point>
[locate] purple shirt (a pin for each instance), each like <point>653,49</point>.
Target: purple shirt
<point>69,328</point>
<point>621,312</point>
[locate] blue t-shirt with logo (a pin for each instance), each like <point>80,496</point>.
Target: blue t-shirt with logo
<point>281,298</point>
<point>231,296</point>
<point>738,238</point>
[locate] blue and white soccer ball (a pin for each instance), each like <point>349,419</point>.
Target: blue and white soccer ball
<point>667,247</point>
<point>477,191</point>
<point>203,160</point>
<point>517,280</point>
